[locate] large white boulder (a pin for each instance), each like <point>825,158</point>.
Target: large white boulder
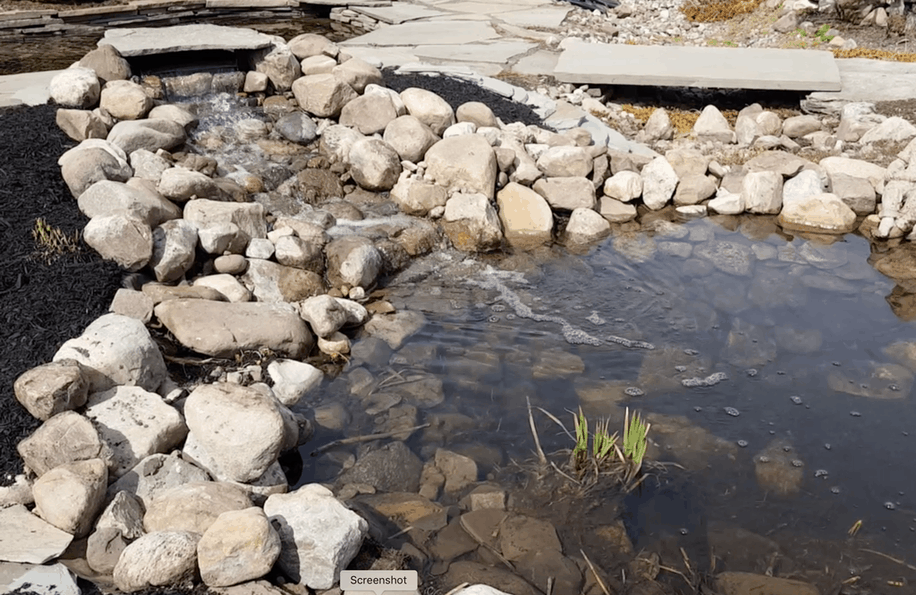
<point>821,213</point>
<point>241,545</point>
<point>464,163</point>
<point>526,217</point>
<point>75,87</point>
<point>157,559</point>
<point>319,535</point>
<point>429,108</point>
<point>116,350</point>
<point>762,192</point>
<point>658,183</point>
<point>125,100</point>
<point>471,223</point>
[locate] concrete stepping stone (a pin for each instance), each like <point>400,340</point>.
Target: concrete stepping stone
<point>398,12</point>
<point>499,52</point>
<point>549,17</point>
<point>866,80</point>
<point>27,538</point>
<point>183,38</point>
<point>684,66</point>
<point>446,32</point>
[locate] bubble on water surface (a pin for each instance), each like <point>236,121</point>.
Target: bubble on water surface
<point>510,316</point>
<point>680,368</point>
<point>894,388</point>
<point>742,443</point>
<point>837,364</point>
<point>797,463</point>
<point>684,531</point>
<point>855,414</point>
<point>786,449</point>
<point>498,307</point>
<point>493,318</point>
<point>890,506</point>
<point>596,319</point>
<point>634,391</point>
<point>763,459</point>
<point>751,372</point>
<point>821,473</point>
<point>835,490</point>
<point>827,445</point>
<point>691,352</point>
<point>698,409</point>
<point>710,380</point>
<point>732,411</point>
<point>796,399</point>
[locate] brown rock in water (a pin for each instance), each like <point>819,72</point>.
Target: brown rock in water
<point>745,583</point>
<point>779,470</point>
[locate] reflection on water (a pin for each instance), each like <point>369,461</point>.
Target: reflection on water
<point>771,368</point>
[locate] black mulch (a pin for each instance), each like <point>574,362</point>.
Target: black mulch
<point>41,305</point>
<point>457,91</point>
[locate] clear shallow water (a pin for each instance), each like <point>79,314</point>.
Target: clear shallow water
<point>787,321</point>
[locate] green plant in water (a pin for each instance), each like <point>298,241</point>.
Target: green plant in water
<point>580,452</point>
<point>603,442</point>
<point>53,242</point>
<point>635,440</point>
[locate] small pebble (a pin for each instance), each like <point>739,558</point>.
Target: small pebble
<point>837,364</point>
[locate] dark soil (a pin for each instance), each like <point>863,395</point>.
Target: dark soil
<point>457,91</point>
<point>41,305</point>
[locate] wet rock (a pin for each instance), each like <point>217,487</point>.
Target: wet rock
<point>410,137</point>
<point>471,223</point>
<point>749,345</point>
<point>821,213</point>
<point>871,379</point>
<point>271,282</point>
<point>241,429</point>
<point>134,423</point>
<point>728,257</point>
<point>418,197</point>
<point>539,566</point>
<point>429,108</point>
<point>222,329</point>
<point>75,87</point>
<point>858,193</point>
<point>465,163</point>
<point>658,183</point>
<point>526,217</point>
<point>104,548</point>
<point>319,535</point>
<point>323,95</point>
<point>52,388</point>
<point>353,260</point>
<point>521,535</point>
<point>116,350</point>
<point>481,577</point>
<point>904,353</point>
<point>297,128</point>
<point>293,380</point>
<point>451,542</point>
<point>391,468</point>
<point>798,340</point>
<point>459,471</point>
<point>779,470</point>
<point>395,328</point>
<point>744,583</point>
<point>28,539</point>
<point>70,495</point>
<point>586,225</point>
<point>152,135</point>
<point>691,445</point>
<point>279,64</point>
<point>157,559</point>
<point>423,392</point>
<point>239,546</point>
<point>193,506</point>
<point>557,363</point>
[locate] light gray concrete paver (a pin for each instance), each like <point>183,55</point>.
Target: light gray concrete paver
<point>398,12</point>
<point>183,38</point>
<point>30,88</point>
<point>548,16</point>
<point>427,32</point>
<point>535,64</point>
<point>478,8</point>
<point>867,80</point>
<point>685,66</point>
<point>498,52</point>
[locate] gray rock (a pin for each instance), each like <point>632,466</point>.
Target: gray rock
<point>152,135</point>
<point>222,329</point>
<point>134,423</point>
<point>520,535</point>
<point>395,328</point>
<point>104,548</point>
<point>728,257</point>
<point>391,468</point>
<point>241,429</point>
<point>775,471</point>
<point>567,194</point>
<point>81,124</point>
<point>270,282</point>
<point>410,137</point>
<point>279,64</point>
<point>106,197</point>
<point>527,220</point>
<point>125,100</point>
<point>858,193</point>
<point>65,438</point>
<point>70,495</point>
<point>369,114</point>
<point>459,471</point>
<point>354,261</point>
<point>693,189</point>
<point>749,345</point>
<point>293,380</point>
<point>762,192</point>
<point>52,388</point>
<point>565,161</point>
<point>312,44</point>
<point>75,87</point>
<point>712,125</point>
<point>624,186</point>
<point>855,167</point>
<point>471,223</point>
<point>358,73</point>
<point>297,128</point>
<point>250,541</point>
<point>85,164</point>
<point>374,164</point>
<point>116,350</point>
<point>586,225</point>
<point>319,535</point>
<point>157,559</point>
<point>193,506</point>
<point>821,213</point>
<point>174,113</point>
<point>429,108</point>
<point>325,314</point>
<point>156,474</point>
<point>121,238</point>
<point>806,184</point>
<point>464,163</point>
<point>125,514</point>
<point>727,203</point>
<point>799,126</point>
<point>174,245</point>
<point>323,95</point>
<point>658,183</point>
<point>417,197</point>
<point>107,64</point>
<point>658,127</point>
<point>894,129</point>
<point>28,539</point>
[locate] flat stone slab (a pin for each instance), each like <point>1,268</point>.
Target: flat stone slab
<point>548,17</point>
<point>27,538</point>
<point>683,66</point>
<point>498,52</point>
<point>427,32</point>
<point>399,12</point>
<point>383,57</point>
<point>537,63</point>
<point>30,88</point>
<point>183,38</point>
<point>867,80</point>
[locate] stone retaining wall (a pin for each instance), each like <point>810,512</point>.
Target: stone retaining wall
<point>169,12</point>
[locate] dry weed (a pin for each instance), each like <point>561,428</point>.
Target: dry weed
<point>876,55</point>
<point>720,10</point>
<point>682,120</point>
